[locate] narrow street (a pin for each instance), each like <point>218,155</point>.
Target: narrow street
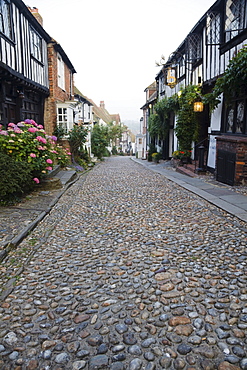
<point>131,272</point>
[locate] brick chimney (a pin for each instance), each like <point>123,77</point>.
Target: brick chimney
<point>102,104</point>
<point>35,13</point>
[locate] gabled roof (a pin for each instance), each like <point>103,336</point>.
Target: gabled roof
<point>101,113</point>
<point>151,87</point>
<point>24,9</point>
<point>64,56</point>
<point>82,96</point>
<point>116,118</point>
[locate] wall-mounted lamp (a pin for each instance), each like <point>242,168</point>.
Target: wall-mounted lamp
<point>198,106</point>
<point>20,94</point>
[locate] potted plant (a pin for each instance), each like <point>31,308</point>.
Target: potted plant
<point>156,157</point>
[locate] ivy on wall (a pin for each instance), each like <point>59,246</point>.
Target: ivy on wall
<point>187,122</point>
<point>232,83</point>
<point>159,121</point>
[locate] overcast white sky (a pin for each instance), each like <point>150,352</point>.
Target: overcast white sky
<point>113,44</point>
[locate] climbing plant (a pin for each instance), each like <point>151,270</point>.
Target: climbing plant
<point>159,121</point>
<point>187,123</point>
<point>233,81</point>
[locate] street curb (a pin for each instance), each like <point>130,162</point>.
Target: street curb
<point>225,206</point>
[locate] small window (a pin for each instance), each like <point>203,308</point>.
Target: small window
<point>235,117</point>
<point>62,119</point>
<point>5,19</point>
<point>60,72</point>
<point>36,45</point>
<point>140,141</point>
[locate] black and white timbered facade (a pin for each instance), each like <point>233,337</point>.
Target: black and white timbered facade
<point>201,58</point>
<point>23,64</point>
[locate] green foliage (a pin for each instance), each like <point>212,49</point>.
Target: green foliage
<point>99,140</point>
<point>114,151</point>
<point>59,132</point>
<point>76,138</point>
<point>27,154</point>
<point>156,157</point>
<point>15,179</point>
<point>180,154</point>
<point>187,123</point>
<point>152,149</point>
<point>115,132</point>
<point>106,153</point>
<point>232,83</point>
<point>159,121</point>
<point>83,154</point>
<point>28,142</point>
<point>63,156</point>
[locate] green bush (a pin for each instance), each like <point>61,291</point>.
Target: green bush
<point>114,151</point>
<point>27,154</point>
<point>99,140</point>
<point>152,149</point>
<point>15,179</point>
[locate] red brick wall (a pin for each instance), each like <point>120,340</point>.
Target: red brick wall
<point>237,145</point>
<point>56,93</point>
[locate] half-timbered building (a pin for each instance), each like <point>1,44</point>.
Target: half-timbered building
<point>23,64</point>
<point>84,116</point>
<point>201,59</point>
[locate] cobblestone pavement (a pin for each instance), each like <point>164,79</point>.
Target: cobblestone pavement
<point>128,271</point>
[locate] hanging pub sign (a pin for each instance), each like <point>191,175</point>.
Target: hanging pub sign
<point>171,77</point>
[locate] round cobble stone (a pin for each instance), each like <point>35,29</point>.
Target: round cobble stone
<point>123,273</point>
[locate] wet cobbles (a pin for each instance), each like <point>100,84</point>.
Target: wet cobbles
<point>128,271</point>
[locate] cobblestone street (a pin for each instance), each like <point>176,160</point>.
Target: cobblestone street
<point>128,271</point>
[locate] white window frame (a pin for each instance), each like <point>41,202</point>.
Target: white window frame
<point>60,72</point>
<point>62,118</point>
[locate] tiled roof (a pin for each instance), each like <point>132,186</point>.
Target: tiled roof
<point>77,92</point>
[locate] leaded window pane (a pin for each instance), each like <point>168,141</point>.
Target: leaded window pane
<point>230,120</point>
<point>5,19</point>
<point>235,18</point>
<point>213,28</point>
<point>240,117</point>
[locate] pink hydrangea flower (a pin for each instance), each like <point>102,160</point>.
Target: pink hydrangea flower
<point>32,129</point>
<point>49,161</point>
<point>48,168</point>
<point>4,132</point>
<point>35,179</point>
<point>41,139</point>
<point>54,138</point>
<point>33,155</point>
<point>33,122</point>
<point>40,126</point>
<point>18,131</point>
<point>41,148</point>
<point>11,124</point>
